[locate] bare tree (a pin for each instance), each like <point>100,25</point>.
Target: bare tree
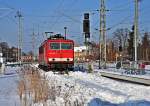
<point>121,35</point>
<point>145,46</point>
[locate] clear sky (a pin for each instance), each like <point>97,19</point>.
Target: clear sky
<point>54,15</point>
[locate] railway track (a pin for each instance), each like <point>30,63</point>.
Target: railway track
<point>114,76</point>
<point>133,79</point>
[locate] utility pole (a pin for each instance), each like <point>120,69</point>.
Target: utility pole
<point>20,31</point>
<point>136,31</point>
<point>102,38</point>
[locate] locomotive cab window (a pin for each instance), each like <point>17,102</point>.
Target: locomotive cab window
<point>66,46</point>
<point>55,46</point>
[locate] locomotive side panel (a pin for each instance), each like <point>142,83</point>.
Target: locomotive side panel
<point>42,54</point>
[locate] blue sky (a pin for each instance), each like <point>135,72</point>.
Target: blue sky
<point>54,15</point>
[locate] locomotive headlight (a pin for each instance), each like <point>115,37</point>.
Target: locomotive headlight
<point>51,59</point>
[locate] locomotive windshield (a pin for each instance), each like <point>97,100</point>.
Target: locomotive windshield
<point>66,46</point>
<point>55,46</point>
<point>62,46</point>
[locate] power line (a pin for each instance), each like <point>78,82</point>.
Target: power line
<point>6,14</point>
<point>121,22</point>
<point>5,4</point>
<point>5,8</point>
<point>75,20</point>
<point>57,17</point>
<point>41,16</point>
<point>73,3</point>
<point>121,6</point>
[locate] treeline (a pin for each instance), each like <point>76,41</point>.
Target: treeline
<point>121,46</point>
<point>126,44</point>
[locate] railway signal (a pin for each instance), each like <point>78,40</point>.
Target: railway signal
<point>86,31</point>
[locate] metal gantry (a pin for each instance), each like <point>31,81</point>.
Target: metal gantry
<point>33,44</point>
<point>136,31</point>
<point>20,32</point>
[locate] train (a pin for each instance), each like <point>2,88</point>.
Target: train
<point>56,53</point>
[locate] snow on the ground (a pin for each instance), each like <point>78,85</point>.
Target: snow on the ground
<point>86,89</point>
<point>8,87</point>
<point>115,89</point>
<point>94,90</point>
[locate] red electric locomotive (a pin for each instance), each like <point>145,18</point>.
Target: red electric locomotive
<point>56,53</point>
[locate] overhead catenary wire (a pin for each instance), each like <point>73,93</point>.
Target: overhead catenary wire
<point>73,19</point>
<point>61,3</point>
<point>121,6</point>
<point>6,13</point>
<point>42,16</point>
<point>7,6</point>
<point>56,21</point>
<point>122,21</point>
<point>76,20</point>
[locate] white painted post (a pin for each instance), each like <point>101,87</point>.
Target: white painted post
<point>2,69</point>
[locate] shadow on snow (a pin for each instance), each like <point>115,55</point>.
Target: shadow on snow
<point>80,67</point>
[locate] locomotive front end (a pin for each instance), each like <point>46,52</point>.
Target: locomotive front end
<point>61,54</point>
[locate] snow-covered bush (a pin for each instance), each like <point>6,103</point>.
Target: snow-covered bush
<point>90,70</point>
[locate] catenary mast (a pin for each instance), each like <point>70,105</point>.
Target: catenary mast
<point>102,38</point>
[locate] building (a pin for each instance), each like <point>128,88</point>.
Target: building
<point>79,53</point>
<point>27,58</point>
<point>8,54</point>
<point>13,54</point>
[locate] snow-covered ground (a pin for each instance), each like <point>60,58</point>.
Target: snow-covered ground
<point>93,90</point>
<point>8,88</point>
<point>79,89</point>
